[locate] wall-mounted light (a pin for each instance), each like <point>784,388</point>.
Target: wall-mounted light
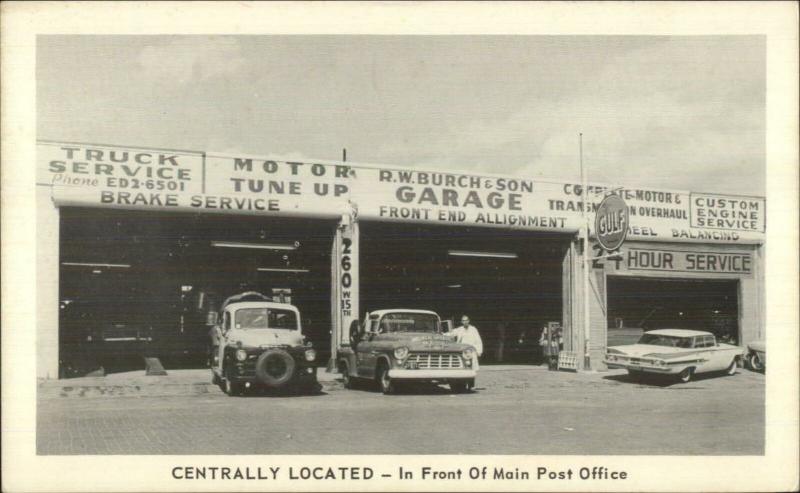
<point>257,246</point>
<point>91,264</point>
<point>467,253</point>
<point>278,269</point>
<point>454,286</point>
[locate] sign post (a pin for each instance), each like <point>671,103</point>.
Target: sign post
<point>611,228</point>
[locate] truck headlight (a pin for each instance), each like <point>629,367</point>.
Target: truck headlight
<point>468,354</point>
<point>241,355</point>
<point>311,355</point>
<point>401,353</point>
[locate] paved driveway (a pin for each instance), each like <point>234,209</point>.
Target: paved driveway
<point>522,411</point>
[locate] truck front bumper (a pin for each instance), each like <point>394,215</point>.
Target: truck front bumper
<point>403,374</point>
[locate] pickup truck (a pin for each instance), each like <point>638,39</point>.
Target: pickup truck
<point>404,345</point>
<point>258,342</point>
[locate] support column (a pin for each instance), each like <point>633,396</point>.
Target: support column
<point>345,282</point>
<point>596,310</point>
<point>47,284</point>
<point>574,336</point>
<point>751,301</point>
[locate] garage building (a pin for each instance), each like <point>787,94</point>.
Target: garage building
<point>137,245</point>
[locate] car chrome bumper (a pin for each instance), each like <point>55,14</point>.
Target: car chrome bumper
<point>404,374</point>
<point>628,366</point>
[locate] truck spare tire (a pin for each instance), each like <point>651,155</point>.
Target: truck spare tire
<point>275,367</point>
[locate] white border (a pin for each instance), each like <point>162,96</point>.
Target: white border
<point>22,470</point>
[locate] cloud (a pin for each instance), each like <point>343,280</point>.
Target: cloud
<point>687,121</point>
<point>190,59</point>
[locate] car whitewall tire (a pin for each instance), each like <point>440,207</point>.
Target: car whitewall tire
<point>686,375</point>
<point>754,362</point>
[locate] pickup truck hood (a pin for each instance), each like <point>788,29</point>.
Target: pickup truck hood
<point>265,337</point>
<point>422,341</point>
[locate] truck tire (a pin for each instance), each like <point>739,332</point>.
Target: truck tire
<point>385,383</point>
<point>275,367</point>
<point>347,380</point>
<point>230,387</point>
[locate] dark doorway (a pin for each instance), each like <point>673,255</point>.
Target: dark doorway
<point>638,304</point>
<point>508,282</point>
<point>142,283</point>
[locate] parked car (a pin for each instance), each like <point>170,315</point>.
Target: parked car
<point>757,355</point>
<point>683,353</point>
<point>257,342</point>
<point>401,345</point>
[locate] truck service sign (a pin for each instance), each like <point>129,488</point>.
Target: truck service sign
<point>611,222</point>
<point>199,181</point>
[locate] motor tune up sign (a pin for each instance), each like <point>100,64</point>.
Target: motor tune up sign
<point>611,222</point>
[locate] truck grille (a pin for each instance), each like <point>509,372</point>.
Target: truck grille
<point>435,360</point>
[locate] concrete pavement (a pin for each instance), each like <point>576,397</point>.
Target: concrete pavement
<point>514,410</point>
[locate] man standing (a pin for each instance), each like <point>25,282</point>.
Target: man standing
<point>468,334</point>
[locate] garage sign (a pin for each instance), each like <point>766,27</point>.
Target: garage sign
<point>611,222</point>
<point>208,182</point>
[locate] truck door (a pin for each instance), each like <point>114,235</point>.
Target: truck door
<point>225,326</point>
<point>366,355</point>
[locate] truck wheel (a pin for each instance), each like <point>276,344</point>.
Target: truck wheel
<point>232,388</point>
<point>686,375</point>
<point>275,367</point>
<point>347,380</point>
<point>387,386</point>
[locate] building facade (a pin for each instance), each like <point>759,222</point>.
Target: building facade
<point>137,245</point>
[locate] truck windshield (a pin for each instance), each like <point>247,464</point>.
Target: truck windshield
<point>265,318</point>
<point>409,322</point>
<point>669,341</point>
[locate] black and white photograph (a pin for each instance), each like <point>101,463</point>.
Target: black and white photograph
<point>251,247</point>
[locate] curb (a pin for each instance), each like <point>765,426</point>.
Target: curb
<point>160,389</point>
<point>176,384</point>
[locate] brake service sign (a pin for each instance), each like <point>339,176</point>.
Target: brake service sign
<point>611,222</point>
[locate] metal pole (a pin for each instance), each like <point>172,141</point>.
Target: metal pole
<point>586,260</point>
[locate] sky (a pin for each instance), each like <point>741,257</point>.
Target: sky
<point>683,113</point>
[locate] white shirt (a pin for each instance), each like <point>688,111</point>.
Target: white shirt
<point>469,335</point>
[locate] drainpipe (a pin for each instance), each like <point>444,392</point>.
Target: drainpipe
<point>586,263</point>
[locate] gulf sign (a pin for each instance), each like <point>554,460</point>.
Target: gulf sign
<point>611,222</point>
